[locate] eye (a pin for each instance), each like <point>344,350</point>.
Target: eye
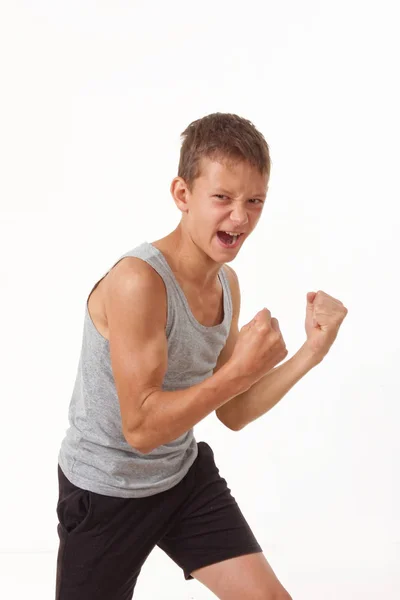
<point>252,200</point>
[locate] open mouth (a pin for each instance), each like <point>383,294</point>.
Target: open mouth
<point>228,240</point>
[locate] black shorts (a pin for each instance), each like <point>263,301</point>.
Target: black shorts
<point>104,541</point>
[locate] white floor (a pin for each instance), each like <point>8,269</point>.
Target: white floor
<point>30,576</point>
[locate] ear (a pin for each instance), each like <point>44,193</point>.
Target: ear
<point>180,194</point>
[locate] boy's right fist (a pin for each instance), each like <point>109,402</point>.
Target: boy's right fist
<point>259,347</point>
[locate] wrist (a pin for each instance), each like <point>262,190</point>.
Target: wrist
<point>237,382</point>
<point>308,354</point>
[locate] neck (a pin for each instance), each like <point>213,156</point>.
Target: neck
<point>187,259</point>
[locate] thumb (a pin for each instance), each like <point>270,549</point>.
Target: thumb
<point>310,299</point>
<point>257,317</point>
<point>310,308</point>
<point>260,316</point>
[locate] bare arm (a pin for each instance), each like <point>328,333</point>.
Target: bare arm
<point>136,314</point>
<point>267,391</point>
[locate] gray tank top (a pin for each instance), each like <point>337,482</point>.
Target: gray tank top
<point>94,454</point>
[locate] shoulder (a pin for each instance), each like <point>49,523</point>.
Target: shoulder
<point>134,273</point>
<point>231,274</point>
<point>233,279</point>
<point>234,287</point>
<point>134,280</point>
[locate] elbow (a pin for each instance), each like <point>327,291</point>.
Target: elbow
<point>144,449</point>
<point>139,444</point>
<point>137,441</point>
<point>233,426</point>
<point>229,425</point>
<point>236,427</point>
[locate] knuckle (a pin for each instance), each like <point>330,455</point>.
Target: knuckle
<point>282,351</point>
<point>266,330</point>
<point>275,336</point>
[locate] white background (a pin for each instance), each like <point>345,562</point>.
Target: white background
<point>94,96</point>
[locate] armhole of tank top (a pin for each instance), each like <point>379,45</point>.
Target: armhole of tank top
<point>168,325</point>
<point>170,307</point>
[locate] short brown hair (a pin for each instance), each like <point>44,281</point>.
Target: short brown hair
<point>221,136</point>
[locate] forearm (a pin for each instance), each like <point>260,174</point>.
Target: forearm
<point>267,391</point>
<point>166,415</point>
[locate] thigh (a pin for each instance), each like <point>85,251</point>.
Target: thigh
<point>104,541</point>
<point>210,527</point>
<point>247,577</point>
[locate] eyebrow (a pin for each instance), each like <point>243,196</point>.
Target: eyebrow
<point>226,192</point>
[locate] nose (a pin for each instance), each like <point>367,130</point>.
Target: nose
<point>239,215</point>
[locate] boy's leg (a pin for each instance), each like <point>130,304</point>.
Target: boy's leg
<point>212,542</point>
<point>246,577</point>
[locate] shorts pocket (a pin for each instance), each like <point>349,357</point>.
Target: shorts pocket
<point>74,510</point>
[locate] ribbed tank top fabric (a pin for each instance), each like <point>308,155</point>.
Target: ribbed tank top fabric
<point>94,453</point>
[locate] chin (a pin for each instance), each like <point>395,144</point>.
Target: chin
<point>225,255</point>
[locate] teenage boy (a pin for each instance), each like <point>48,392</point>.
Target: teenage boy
<point>161,350</point>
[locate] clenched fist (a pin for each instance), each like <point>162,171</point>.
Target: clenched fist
<point>324,316</point>
<point>259,347</point>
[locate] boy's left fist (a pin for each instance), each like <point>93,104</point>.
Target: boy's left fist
<point>324,316</point>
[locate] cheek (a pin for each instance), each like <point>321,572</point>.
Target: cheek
<point>213,215</point>
<point>255,216</point>
<point>206,219</point>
